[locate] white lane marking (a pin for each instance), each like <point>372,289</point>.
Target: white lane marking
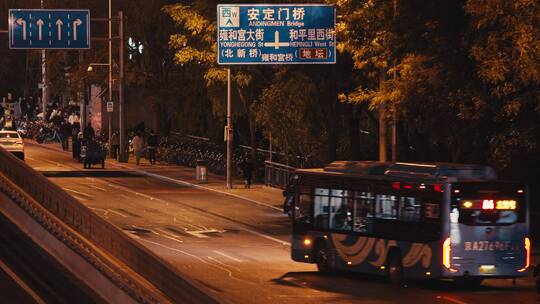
<point>223,264</point>
<point>125,189</point>
<point>450,299</point>
<point>167,235</point>
<point>187,223</point>
<point>193,256</point>
<point>202,233</point>
<point>79,193</point>
<point>21,283</point>
<point>268,237</point>
<point>228,256</point>
<point>54,163</point>
<point>99,188</point>
<point>117,213</point>
<point>184,183</point>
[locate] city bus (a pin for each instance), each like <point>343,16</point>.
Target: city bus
<point>410,221</point>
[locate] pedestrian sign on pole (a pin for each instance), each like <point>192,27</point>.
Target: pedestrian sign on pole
<point>276,34</point>
<point>49,29</point>
<point>110,106</point>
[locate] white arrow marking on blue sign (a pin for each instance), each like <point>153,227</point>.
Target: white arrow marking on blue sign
<point>276,44</point>
<point>21,21</point>
<point>59,24</point>
<point>76,23</point>
<point>40,25</point>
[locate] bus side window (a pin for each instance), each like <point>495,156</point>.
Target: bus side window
<point>302,209</point>
<point>410,209</point>
<point>341,210</point>
<point>364,204</point>
<point>321,208</point>
<point>386,207</point>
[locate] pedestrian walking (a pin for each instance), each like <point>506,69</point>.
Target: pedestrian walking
<point>89,133</point>
<point>115,145</point>
<point>76,145</point>
<point>247,170</point>
<point>138,144</point>
<point>65,131</point>
<point>152,146</point>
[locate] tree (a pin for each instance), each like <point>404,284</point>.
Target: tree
<point>284,112</point>
<point>196,43</point>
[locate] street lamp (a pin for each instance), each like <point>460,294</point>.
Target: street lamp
<point>91,68</point>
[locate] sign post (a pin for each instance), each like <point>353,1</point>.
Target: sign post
<point>272,34</point>
<point>110,106</point>
<point>49,29</point>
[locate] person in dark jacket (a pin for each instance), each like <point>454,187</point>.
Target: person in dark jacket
<point>115,145</point>
<point>65,131</point>
<point>89,133</point>
<point>247,170</point>
<point>76,145</point>
<point>152,144</point>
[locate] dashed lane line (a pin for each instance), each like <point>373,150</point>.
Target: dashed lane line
<point>80,193</point>
<point>228,256</point>
<point>267,237</point>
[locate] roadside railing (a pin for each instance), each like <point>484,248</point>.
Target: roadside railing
<point>277,175</point>
<point>102,234</point>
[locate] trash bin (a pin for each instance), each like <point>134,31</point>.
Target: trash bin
<point>201,172</point>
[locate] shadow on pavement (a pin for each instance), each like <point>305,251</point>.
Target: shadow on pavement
<point>356,284</point>
<point>90,173</point>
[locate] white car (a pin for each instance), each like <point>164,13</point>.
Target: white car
<point>13,142</point>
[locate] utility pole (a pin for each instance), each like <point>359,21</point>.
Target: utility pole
<point>44,95</point>
<point>110,77</point>
<point>121,111</point>
<point>229,131</point>
<point>81,97</point>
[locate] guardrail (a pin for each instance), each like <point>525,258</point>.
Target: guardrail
<point>104,235</point>
<point>277,175</point>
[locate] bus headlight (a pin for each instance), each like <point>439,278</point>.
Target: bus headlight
<point>447,255</point>
<point>527,244</point>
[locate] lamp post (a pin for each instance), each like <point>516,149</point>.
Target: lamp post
<point>90,69</point>
<point>110,77</point>
<point>121,72</point>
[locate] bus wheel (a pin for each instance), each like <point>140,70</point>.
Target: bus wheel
<point>394,268</point>
<point>321,256</point>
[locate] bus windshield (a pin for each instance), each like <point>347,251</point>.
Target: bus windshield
<point>482,203</point>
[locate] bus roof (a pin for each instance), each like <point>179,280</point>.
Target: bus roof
<point>436,171</point>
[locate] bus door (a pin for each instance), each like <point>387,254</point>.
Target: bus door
<point>489,229</point>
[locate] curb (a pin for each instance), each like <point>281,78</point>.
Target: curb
<point>175,181</point>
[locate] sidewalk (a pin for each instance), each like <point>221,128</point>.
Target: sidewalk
<point>258,193</point>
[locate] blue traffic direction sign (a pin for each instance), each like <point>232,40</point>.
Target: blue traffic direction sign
<point>276,34</point>
<point>49,29</point>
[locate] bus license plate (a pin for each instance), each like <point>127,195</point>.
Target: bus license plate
<point>487,269</point>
